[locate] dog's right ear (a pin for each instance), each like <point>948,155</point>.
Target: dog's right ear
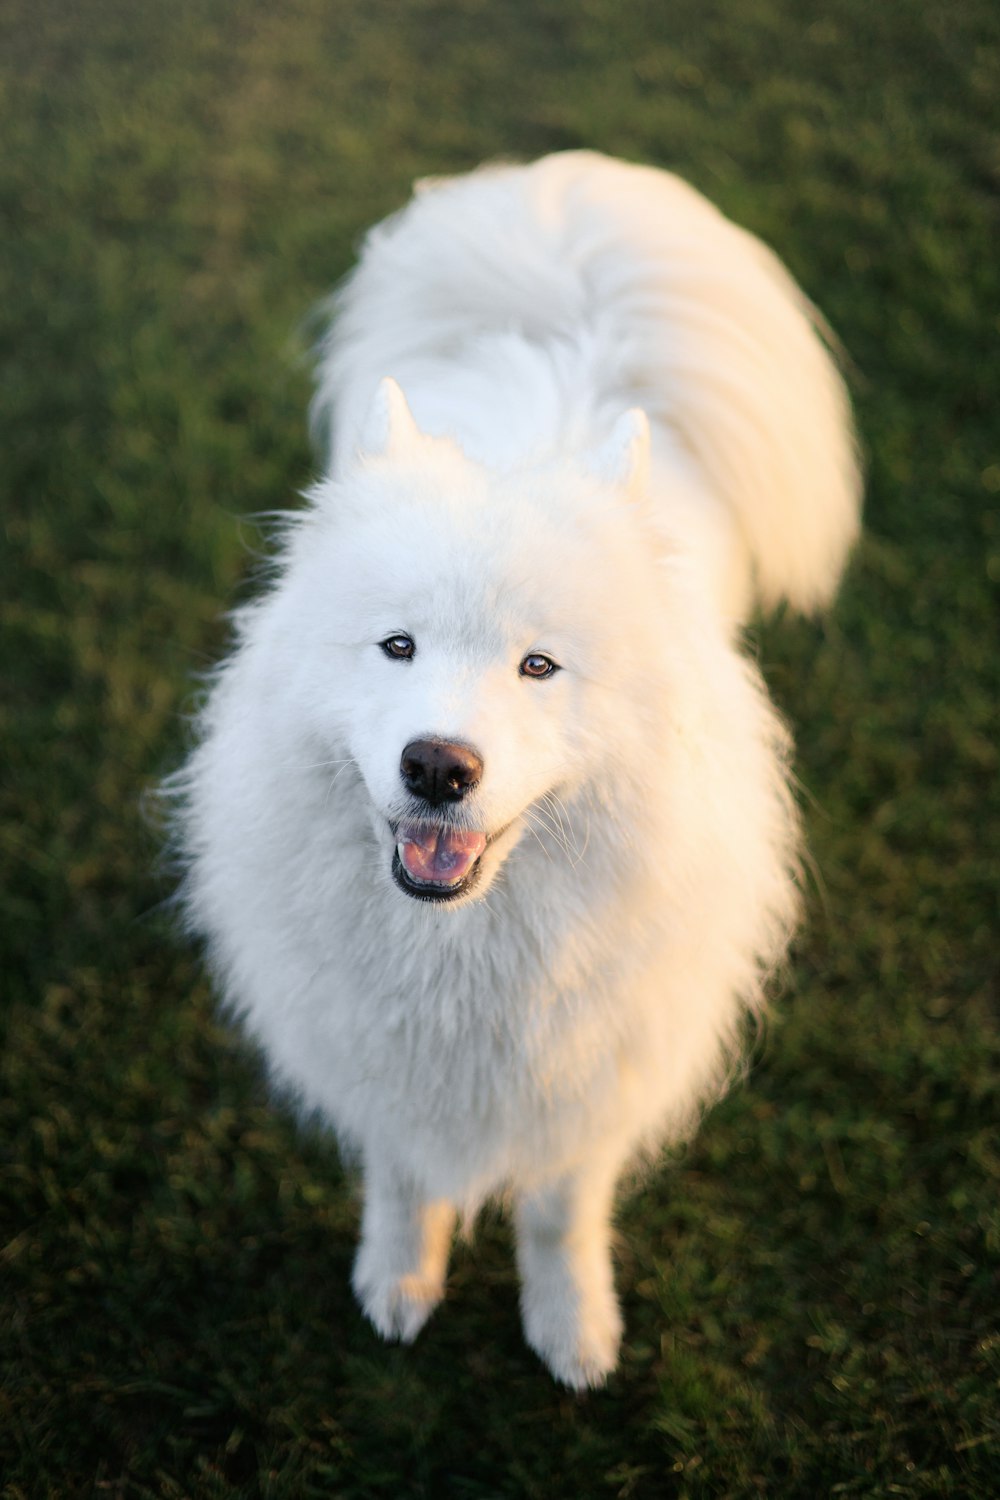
<point>623,460</point>
<point>389,428</point>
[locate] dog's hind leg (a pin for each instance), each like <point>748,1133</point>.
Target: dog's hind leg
<point>568,1303</point>
<point>401,1262</point>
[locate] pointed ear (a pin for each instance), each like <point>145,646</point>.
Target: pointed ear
<point>623,461</point>
<point>389,427</point>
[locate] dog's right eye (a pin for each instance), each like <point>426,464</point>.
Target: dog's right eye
<point>399,647</point>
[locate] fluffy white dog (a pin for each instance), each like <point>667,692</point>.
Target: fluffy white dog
<point>489,829</point>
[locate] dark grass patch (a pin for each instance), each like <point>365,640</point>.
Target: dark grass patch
<point>811,1287</point>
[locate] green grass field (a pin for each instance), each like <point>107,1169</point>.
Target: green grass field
<point>811,1288</point>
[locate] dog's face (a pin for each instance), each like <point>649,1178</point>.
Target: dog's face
<point>453,642</point>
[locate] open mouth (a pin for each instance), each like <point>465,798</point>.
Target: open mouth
<point>435,861</point>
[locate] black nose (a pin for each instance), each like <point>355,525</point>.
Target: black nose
<point>438,771</point>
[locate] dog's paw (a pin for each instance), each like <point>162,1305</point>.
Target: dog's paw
<point>578,1339</point>
<point>397,1306</point>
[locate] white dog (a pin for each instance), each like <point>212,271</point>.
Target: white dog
<point>489,828</point>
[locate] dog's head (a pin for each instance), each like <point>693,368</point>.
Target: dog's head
<point>472,642</point>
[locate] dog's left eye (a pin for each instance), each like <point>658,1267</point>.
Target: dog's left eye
<point>536,665</point>
<point>399,647</point>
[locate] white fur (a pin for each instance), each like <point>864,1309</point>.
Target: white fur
<point>585,999</point>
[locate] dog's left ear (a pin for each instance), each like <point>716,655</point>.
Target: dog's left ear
<point>623,460</point>
<point>389,428</point>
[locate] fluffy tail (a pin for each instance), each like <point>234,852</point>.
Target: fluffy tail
<point>696,321</point>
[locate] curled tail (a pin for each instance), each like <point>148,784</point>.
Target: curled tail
<point>695,319</point>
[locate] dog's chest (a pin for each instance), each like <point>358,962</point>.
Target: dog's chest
<point>469,1041</point>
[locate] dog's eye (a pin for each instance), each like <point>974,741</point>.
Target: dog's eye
<point>399,647</point>
<point>536,665</point>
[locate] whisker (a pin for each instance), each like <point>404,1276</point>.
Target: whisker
<point>314,765</point>
<point>558,838</point>
<point>551,800</point>
<point>529,819</point>
<point>334,779</point>
<point>557,833</point>
<point>491,909</point>
<point>559,816</point>
<point>586,841</point>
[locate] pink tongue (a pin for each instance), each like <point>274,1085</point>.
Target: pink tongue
<point>441,855</point>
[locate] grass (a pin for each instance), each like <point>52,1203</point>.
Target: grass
<point>811,1288</point>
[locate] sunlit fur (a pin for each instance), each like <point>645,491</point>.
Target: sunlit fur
<point>585,1000</point>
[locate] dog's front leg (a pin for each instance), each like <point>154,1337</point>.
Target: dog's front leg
<point>568,1304</point>
<point>400,1266</point>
